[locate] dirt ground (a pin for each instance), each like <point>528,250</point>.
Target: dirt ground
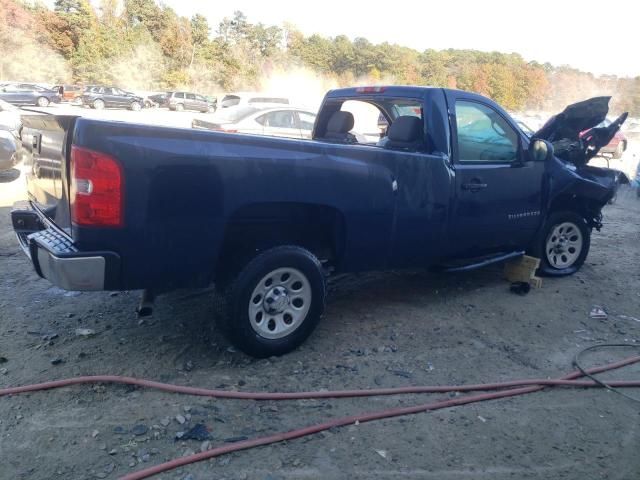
<point>379,330</point>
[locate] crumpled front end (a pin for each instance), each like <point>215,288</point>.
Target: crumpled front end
<point>576,139</point>
<point>575,134</point>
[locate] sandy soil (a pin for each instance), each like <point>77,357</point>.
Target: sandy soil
<point>391,329</point>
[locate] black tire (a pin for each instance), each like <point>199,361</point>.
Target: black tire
<point>135,106</point>
<point>547,267</point>
<point>179,107</point>
<point>243,332</point>
<point>98,104</point>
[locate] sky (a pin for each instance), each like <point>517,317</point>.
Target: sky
<point>595,36</point>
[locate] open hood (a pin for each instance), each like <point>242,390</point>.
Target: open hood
<point>574,134</point>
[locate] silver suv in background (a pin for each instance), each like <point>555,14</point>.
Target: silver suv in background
<point>180,101</point>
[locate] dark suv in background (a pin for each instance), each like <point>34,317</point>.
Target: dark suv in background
<point>188,101</point>
<point>28,94</point>
<point>100,97</point>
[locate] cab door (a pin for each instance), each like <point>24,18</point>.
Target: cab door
<point>498,189</point>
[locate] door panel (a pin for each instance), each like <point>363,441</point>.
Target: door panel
<point>498,190</point>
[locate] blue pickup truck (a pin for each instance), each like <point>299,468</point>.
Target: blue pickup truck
<point>448,181</point>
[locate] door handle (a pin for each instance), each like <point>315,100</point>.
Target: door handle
<point>474,186</point>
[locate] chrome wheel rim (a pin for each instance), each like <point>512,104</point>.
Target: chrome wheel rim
<point>43,102</point>
<point>98,104</point>
<point>564,245</point>
<point>280,303</point>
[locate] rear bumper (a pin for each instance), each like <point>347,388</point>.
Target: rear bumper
<point>55,257</point>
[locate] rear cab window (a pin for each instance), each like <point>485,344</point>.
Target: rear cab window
<point>371,118</point>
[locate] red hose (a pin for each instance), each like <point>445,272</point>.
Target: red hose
<point>524,386</point>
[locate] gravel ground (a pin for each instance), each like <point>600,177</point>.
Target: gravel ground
<point>379,330</point>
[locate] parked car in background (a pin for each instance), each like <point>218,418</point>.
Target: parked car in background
<point>618,144</point>
<point>100,97</point>
<point>159,99</point>
<point>261,120</point>
<point>212,101</point>
<point>28,94</point>
<point>250,98</point>
<point>180,101</point>
<point>69,93</point>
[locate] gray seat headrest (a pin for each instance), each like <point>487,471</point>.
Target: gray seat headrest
<point>405,129</point>
<point>340,122</point>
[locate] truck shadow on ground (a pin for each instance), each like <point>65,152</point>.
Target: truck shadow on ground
<point>355,303</point>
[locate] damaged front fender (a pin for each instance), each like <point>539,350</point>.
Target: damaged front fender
<point>584,189</point>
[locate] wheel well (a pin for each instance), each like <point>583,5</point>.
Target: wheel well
<point>257,227</point>
<point>588,209</point>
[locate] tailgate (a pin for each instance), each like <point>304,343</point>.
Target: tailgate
<point>46,140</point>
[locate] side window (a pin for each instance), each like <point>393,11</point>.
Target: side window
<point>190,96</point>
<point>306,120</point>
<point>483,135</point>
<point>179,95</point>
<point>279,119</point>
<point>107,91</point>
<point>201,98</point>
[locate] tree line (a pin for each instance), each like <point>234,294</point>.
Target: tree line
<point>141,44</point>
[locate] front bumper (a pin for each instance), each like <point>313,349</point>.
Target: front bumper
<point>55,257</point>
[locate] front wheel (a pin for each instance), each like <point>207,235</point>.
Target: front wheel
<point>275,302</point>
<point>135,106</point>
<point>179,107</point>
<point>563,245</point>
<point>98,104</point>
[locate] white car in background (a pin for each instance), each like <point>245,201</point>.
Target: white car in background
<point>250,98</point>
<point>282,121</point>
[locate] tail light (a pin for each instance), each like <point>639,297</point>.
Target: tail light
<point>97,187</point>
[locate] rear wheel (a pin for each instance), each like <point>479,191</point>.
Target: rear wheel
<point>42,102</point>
<point>98,104</point>
<point>275,302</point>
<point>563,245</point>
<point>135,106</point>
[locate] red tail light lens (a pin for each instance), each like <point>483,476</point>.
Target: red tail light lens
<point>97,186</point>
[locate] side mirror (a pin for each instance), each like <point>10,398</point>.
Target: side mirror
<point>540,150</point>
